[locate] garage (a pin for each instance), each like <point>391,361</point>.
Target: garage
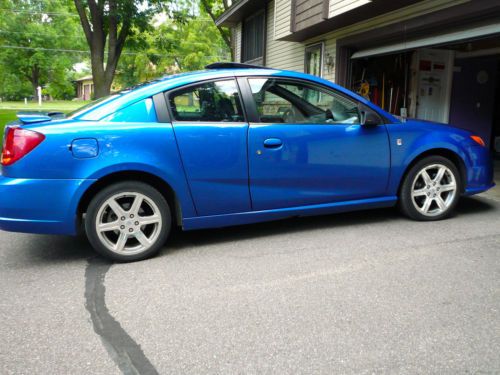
<point>412,70</point>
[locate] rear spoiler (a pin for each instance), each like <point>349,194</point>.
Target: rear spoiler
<point>33,117</point>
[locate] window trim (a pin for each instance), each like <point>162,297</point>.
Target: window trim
<point>311,47</point>
<point>199,83</point>
<point>253,114</point>
<point>262,12</point>
<point>160,104</point>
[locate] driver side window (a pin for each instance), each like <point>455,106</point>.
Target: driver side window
<point>289,102</point>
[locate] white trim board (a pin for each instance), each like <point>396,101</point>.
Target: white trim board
<point>430,41</point>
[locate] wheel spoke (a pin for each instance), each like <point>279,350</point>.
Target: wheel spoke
<point>115,206</point>
<point>152,219</point>
<point>122,241</point>
<point>427,205</point>
<point>108,227</point>
<point>440,203</point>
<point>440,174</point>
<point>418,192</point>
<point>448,187</point>
<point>426,177</point>
<point>136,205</point>
<point>141,237</point>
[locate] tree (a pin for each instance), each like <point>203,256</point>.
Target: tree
<point>107,24</point>
<point>37,52</point>
<point>170,47</point>
<point>214,8</point>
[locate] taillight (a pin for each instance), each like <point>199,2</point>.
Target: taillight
<point>18,142</point>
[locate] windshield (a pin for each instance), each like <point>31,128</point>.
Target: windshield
<point>91,105</point>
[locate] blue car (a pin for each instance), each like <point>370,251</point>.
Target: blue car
<point>233,144</point>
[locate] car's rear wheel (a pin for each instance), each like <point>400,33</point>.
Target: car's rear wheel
<point>431,189</point>
<point>128,221</point>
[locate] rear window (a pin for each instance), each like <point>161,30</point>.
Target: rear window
<point>92,105</point>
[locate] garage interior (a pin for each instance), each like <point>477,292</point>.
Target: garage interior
<point>442,67</point>
<point>456,83</point>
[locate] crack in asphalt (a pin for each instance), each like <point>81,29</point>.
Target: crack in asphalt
<point>124,351</point>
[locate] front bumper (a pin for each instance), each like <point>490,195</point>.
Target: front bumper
<point>40,206</point>
<point>478,189</point>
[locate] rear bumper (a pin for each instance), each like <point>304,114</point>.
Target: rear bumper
<point>40,206</point>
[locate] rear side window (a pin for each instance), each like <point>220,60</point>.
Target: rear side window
<point>142,111</point>
<point>217,101</point>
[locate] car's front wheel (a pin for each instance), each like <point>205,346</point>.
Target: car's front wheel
<point>128,221</point>
<point>431,189</point>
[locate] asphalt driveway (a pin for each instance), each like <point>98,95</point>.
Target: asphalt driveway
<point>361,292</point>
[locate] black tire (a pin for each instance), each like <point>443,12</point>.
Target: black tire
<point>154,201</point>
<point>406,203</point>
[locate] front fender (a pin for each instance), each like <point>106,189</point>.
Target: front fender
<point>409,141</point>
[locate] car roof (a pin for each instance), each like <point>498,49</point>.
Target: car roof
<point>146,90</point>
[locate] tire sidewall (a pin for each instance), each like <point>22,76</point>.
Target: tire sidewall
<point>127,186</point>
<point>405,198</point>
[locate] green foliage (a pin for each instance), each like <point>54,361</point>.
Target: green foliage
<point>186,39</point>
<point>109,24</point>
<point>171,47</point>
<point>30,35</point>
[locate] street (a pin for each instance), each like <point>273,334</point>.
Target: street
<point>363,292</point>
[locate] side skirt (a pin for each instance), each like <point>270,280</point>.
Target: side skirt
<point>226,220</point>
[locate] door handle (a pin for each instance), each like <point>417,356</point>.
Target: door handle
<point>273,143</point>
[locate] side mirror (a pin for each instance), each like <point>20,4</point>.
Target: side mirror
<point>369,118</point>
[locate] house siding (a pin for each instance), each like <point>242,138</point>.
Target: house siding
<point>279,54</point>
<point>341,6</point>
<point>282,18</point>
<point>308,13</point>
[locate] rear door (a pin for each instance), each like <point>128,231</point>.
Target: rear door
<point>307,146</point>
<point>211,133</point>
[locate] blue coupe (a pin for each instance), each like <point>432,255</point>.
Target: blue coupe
<point>230,145</point>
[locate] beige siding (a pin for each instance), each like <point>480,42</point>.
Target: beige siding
<point>282,18</point>
<point>341,6</point>
<point>237,42</point>
<point>279,54</point>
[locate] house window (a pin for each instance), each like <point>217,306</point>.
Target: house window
<point>313,63</point>
<point>253,43</point>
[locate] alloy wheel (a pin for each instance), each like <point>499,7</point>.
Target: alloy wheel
<point>128,223</point>
<point>433,190</point>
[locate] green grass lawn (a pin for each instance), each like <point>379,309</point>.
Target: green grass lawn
<point>8,110</point>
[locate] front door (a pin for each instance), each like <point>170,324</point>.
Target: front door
<point>309,147</point>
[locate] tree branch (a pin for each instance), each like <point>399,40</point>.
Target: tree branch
<point>225,36</point>
<point>84,20</point>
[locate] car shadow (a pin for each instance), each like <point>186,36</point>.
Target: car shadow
<point>181,240</point>
<point>39,249</point>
